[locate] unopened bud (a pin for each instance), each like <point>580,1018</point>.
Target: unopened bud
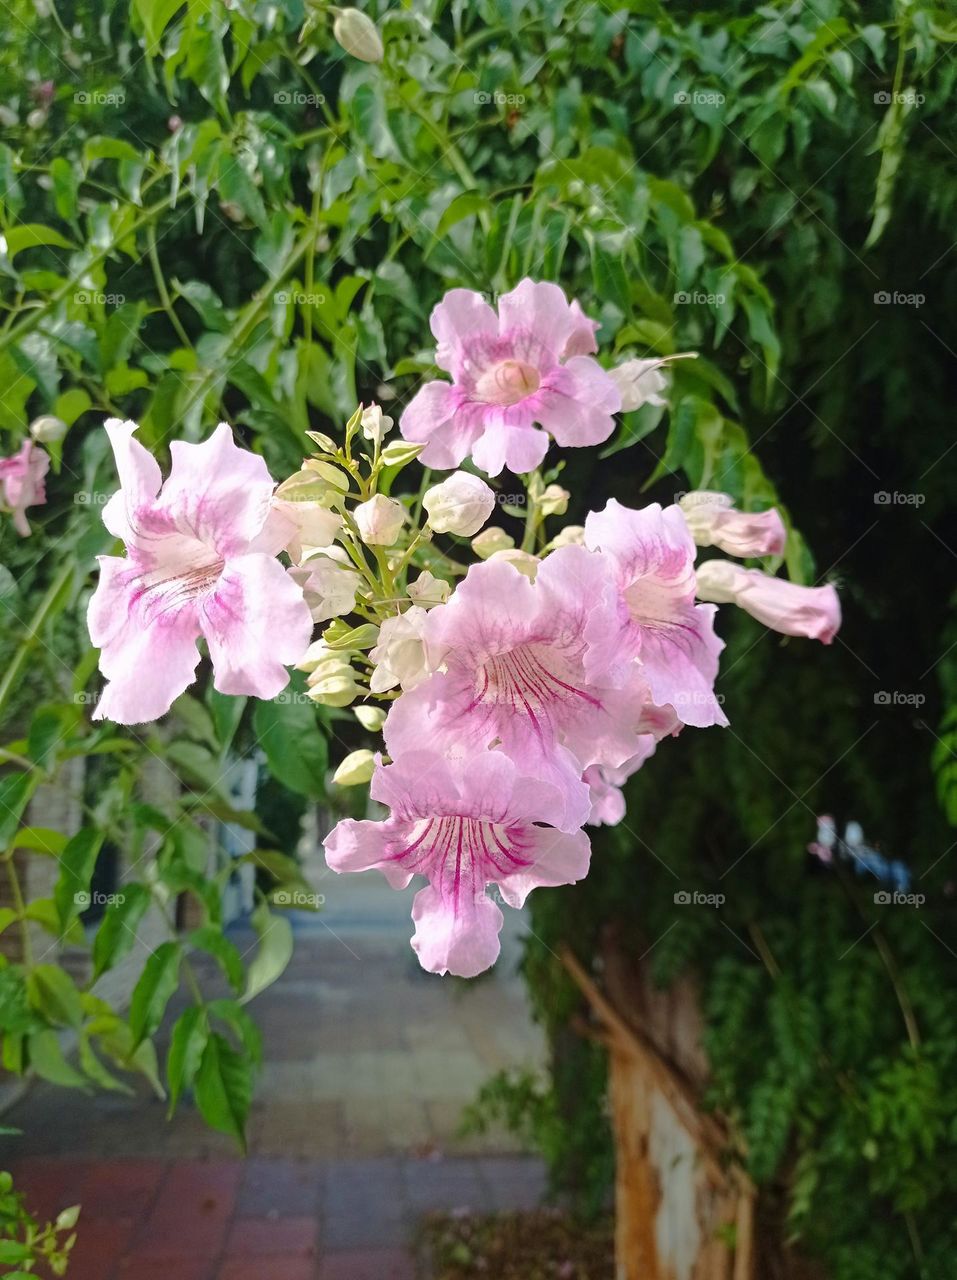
<point>358,35</point>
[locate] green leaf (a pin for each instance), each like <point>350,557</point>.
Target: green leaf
<point>274,953</point>
<point>117,932</point>
<point>52,993</point>
<point>186,1047</point>
<point>212,940</point>
<point>29,235</point>
<point>224,1088</point>
<point>288,731</point>
<point>157,982</point>
<point>15,792</point>
<point>155,15</point>
<point>47,1060</point>
<point>71,894</point>
<point>227,711</point>
<point>41,840</point>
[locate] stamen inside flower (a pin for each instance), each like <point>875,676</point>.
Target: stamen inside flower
<point>508,382</point>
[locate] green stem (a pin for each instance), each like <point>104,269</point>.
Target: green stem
<point>161,288</point>
<point>43,610</point>
<point>21,909</point>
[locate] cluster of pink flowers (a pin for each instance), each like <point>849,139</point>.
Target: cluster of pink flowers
<point>528,693</point>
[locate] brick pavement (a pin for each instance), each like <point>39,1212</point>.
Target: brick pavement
<point>353,1134</point>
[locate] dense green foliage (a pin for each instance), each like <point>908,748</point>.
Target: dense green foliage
<point>205,216</point>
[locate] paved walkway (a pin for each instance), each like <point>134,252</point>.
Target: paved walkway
<point>354,1130</point>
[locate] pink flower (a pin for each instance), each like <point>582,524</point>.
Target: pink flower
<point>783,606</point>
<point>526,364</point>
<point>519,673</point>
<point>605,783</point>
<point>463,827</point>
<point>22,484</point>
<point>714,523</point>
<point>653,558</point>
<point>200,562</point>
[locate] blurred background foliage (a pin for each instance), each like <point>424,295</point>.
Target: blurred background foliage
<point>210,210</point>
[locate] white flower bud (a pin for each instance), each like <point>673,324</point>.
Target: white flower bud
<point>400,654</point>
<point>358,35</point>
<point>573,535</point>
<point>523,561</point>
<point>375,424</point>
<point>371,718</point>
<point>554,500</point>
<point>329,589</point>
<point>428,591</point>
<point>461,504</point>
<point>357,768</point>
<point>640,382</point>
<point>48,429</point>
<point>380,521</point>
<point>491,540</point>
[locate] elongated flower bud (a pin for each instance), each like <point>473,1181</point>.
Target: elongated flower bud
<point>358,35</point>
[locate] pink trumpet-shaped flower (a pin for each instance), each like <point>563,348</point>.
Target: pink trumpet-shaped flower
<point>652,554</point>
<point>22,483</point>
<point>714,522</point>
<point>520,674</point>
<point>463,827</point>
<point>605,783</point>
<point>783,606</point>
<point>526,364</point>
<point>200,562</point>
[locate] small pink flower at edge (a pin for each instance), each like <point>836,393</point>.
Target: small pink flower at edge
<point>22,483</point>
<point>464,827</point>
<point>527,364</point>
<point>200,561</point>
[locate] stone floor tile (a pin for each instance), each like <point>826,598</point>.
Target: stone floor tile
<point>372,1264</point>
<point>291,1237</point>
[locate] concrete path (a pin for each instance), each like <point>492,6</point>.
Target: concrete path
<point>354,1130</point>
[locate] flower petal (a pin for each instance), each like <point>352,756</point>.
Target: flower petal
<point>541,309</point>
<point>461,316</point>
<point>148,662</point>
<point>139,475</point>
<point>559,858</point>
<point>217,492</point>
<point>434,417</point>
<point>256,623</point>
<point>364,846</point>
<point>576,402</point>
<point>464,941</point>
<point>519,448</point>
